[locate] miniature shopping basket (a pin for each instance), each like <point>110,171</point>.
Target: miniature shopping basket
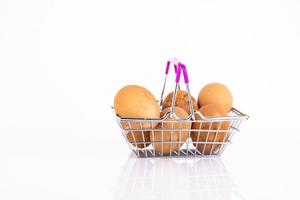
<point>172,136</point>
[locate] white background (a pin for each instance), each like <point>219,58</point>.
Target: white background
<point>61,63</point>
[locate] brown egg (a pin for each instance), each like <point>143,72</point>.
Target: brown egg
<point>216,93</point>
<point>142,137</point>
<point>203,135</point>
<point>134,101</point>
<point>177,136</point>
<point>182,101</point>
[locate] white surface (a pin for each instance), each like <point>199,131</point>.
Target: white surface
<point>61,62</point>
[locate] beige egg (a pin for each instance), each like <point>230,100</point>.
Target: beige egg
<point>203,135</point>
<point>168,136</point>
<point>182,101</point>
<point>134,101</point>
<point>140,137</point>
<point>216,93</point>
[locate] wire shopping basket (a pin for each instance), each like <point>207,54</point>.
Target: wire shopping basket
<point>173,136</point>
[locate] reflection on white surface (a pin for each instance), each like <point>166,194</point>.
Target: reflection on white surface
<point>175,178</point>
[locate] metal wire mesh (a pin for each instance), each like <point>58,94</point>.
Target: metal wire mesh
<point>180,137</point>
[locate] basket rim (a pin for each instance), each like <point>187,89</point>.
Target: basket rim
<point>239,116</point>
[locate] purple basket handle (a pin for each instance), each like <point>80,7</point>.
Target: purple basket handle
<point>185,74</point>
<point>182,67</point>
<point>173,61</point>
<point>178,73</point>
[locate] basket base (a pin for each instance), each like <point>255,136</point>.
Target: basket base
<point>149,153</point>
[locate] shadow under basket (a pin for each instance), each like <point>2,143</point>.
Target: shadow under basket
<point>180,137</point>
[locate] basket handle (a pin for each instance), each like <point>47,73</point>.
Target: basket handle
<point>185,73</point>
<point>178,73</point>
<point>179,68</point>
<point>182,67</point>
<point>175,62</point>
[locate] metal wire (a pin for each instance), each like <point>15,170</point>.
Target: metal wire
<point>171,135</point>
